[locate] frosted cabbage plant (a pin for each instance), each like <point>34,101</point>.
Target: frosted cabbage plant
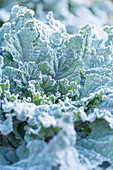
<point>56,107</point>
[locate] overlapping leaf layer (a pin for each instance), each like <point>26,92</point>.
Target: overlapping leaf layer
<point>56,107</point>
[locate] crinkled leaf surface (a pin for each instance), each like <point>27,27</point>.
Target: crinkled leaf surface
<point>98,144</point>
<point>56,93</point>
<point>29,40</point>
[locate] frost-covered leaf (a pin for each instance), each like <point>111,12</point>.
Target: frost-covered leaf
<point>6,126</point>
<point>97,148</point>
<point>92,83</point>
<point>26,40</point>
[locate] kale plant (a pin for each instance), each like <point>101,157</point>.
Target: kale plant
<point>56,95</point>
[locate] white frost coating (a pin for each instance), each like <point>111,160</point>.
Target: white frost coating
<point>7,106</point>
<point>47,120</point>
<point>90,117</point>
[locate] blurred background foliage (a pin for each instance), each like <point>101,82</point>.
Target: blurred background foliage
<point>73,13</point>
